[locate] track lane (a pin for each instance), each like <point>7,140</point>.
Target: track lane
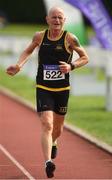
<point>8,170</point>
<point>77,159</point>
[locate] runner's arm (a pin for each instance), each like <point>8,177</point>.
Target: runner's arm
<point>14,69</point>
<point>28,51</point>
<point>73,44</point>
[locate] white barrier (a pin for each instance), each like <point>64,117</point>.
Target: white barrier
<point>103,59</point>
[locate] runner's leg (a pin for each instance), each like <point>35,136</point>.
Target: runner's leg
<point>46,137</point>
<point>58,122</point>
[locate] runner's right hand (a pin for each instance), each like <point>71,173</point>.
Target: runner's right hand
<point>12,70</point>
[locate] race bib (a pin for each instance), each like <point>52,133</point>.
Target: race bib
<point>52,72</point>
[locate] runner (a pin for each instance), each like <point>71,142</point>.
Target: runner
<point>56,48</point>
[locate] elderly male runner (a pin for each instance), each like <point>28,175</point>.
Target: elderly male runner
<point>56,48</point>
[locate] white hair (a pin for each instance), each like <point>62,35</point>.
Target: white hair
<point>55,8</point>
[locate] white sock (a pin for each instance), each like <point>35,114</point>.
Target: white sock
<point>54,143</point>
<point>48,161</point>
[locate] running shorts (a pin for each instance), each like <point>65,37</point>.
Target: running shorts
<point>50,100</point>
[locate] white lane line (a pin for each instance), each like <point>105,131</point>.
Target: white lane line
<point>24,171</point>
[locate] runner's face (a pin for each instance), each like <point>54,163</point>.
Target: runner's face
<point>56,20</point>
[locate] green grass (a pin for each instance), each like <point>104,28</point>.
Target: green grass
<point>21,29</point>
<point>86,112</point>
<point>89,113</point>
<point>86,70</point>
<point>20,84</point>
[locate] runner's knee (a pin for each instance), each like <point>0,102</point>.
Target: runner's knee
<point>47,125</point>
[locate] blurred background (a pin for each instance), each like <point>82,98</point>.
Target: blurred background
<point>91,86</point>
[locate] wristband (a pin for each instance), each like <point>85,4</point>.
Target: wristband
<point>72,66</point>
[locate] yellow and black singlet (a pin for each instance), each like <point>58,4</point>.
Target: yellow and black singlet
<point>49,76</point>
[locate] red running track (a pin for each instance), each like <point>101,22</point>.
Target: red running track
<point>20,137</point>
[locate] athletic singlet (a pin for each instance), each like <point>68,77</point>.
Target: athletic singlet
<point>49,76</point>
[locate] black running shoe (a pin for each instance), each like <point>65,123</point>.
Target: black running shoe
<point>54,152</point>
<point>50,167</point>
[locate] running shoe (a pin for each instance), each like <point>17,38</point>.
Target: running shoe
<point>50,167</point>
<point>54,152</point>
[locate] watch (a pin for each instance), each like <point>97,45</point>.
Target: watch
<point>72,66</point>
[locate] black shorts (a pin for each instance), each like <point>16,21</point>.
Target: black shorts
<point>54,101</point>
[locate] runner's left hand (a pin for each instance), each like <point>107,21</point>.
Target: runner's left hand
<point>64,67</point>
